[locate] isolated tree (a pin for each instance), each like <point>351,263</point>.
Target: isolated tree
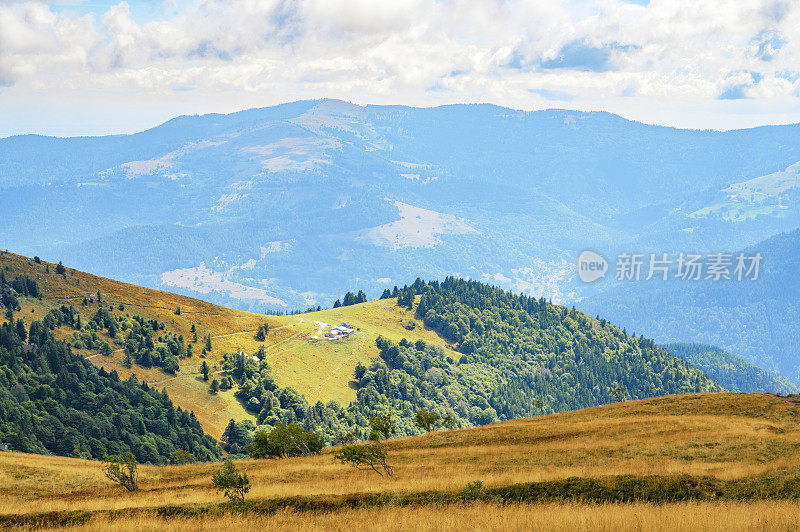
<point>60,270</point>
<point>208,342</point>
<point>215,386</point>
<point>620,392</point>
<point>204,370</point>
<point>178,310</point>
<point>360,370</point>
<point>170,364</point>
<point>194,332</point>
<point>122,469</point>
<point>382,425</point>
<point>365,456</point>
<point>285,441</point>
<point>182,456</point>
<point>426,420</point>
<point>261,333</point>
<point>229,481</point>
<point>337,304</point>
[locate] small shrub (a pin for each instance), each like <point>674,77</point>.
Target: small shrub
<point>367,456</point>
<point>472,491</point>
<point>182,456</point>
<point>285,441</point>
<point>122,469</point>
<point>233,484</point>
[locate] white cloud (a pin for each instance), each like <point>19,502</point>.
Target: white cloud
<point>523,53</point>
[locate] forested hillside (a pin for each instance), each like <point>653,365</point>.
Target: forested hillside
<point>731,372</point>
<point>54,401</point>
<point>518,356</point>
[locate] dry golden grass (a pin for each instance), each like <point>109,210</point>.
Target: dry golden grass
<point>724,436</point>
<point>319,370</point>
<point>762,515</point>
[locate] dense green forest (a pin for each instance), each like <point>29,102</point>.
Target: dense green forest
<point>731,372</point>
<point>519,357</point>
<point>54,401</point>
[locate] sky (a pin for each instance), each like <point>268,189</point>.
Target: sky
<point>98,67</point>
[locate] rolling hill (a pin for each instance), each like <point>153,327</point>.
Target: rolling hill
<point>493,354</point>
<point>696,461</point>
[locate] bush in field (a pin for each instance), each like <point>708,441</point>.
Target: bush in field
<point>285,441</point>
<point>426,420</point>
<point>472,491</point>
<point>382,426</point>
<point>122,469</point>
<point>366,456</point>
<point>233,484</point>
<point>261,333</point>
<point>182,456</point>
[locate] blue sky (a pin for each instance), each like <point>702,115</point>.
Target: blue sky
<point>96,67</point>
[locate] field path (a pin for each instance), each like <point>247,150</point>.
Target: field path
<point>337,368</point>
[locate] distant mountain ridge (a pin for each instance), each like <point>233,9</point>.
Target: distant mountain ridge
<point>290,206</point>
<point>757,320</point>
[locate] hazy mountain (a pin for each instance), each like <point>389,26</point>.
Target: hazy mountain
<point>730,371</point>
<point>291,205</point>
<point>758,320</point>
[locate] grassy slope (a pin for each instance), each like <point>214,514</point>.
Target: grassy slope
<point>319,370</point>
<point>721,436</point>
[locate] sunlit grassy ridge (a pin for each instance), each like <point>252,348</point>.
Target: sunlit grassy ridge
<point>319,370</point>
<point>708,444</point>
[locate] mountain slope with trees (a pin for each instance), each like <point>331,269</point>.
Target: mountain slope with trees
<point>757,320</point>
<point>730,371</point>
<point>54,401</point>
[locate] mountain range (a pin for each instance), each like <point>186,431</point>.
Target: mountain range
<point>289,206</point>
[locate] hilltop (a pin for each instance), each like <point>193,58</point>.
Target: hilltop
<point>319,370</point>
<point>470,352</point>
<point>733,454</point>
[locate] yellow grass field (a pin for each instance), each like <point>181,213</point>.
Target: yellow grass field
<point>776,516</point>
<point>320,370</point>
<point>721,437</point>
